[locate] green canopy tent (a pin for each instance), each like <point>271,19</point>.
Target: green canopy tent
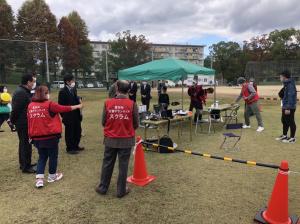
<point>164,69</point>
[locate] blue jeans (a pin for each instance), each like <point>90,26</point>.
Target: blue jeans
<point>44,154</point>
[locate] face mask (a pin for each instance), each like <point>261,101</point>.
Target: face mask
<point>281,79</point>
<point>48,96</point>
<point>5,90</point>
<point>72,85</point>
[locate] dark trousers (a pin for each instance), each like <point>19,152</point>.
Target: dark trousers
<point>73,135</point>
<point>110,155</point>
<point>199,108</point>
<point>288,122</point>
<point>44,154</point>
<point>146,102</point>
<point>25,148</point>
<point>3,117</point>
<point>133,97</point>
<point>191,106</point>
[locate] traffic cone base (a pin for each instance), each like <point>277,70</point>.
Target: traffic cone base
<point>141,182</point>
<point>140,176</point>
<point>277,209</point>
<point>260,218</point>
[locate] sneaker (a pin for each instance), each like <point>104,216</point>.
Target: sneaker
<point>281,137</point>
<point>54,177</point>
<point>289,140</point>
<point>246,126</point>
<point>39,183</point>
<point>260,129</point>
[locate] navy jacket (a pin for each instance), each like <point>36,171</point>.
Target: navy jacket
<point>289,100</point>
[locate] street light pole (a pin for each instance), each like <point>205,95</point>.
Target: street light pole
<point>106,66</point>
<point>47,62</point>
<point>34,41</point>
<point>215,83</point>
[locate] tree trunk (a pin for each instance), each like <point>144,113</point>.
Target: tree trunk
<point>2,73</point>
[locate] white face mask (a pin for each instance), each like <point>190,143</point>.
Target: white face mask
<point>48,96</point>
<point>72,85</point>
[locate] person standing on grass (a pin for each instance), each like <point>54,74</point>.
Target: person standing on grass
<point>20,101</point>
<point>288,95</point>
<point>120,120</point>
<point>197,95</point>
<point>112,92</point>
<point>5,108</point>
<point>161,84</point>
<point>72,120</point>
<point>251,98</point>
<point>163,99</point>
<point>44,129</point>
<point>146,94</point>
<point>133,90</point>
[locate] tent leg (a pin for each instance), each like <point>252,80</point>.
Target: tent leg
<point>182,95</point>
<point>215,93</point>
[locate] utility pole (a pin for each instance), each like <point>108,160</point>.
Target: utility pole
<point>47,62</point>
<point>39,42</point>
<point>215,82</point>
<point>106,66</point>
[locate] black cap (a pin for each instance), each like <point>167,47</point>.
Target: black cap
<point>286,73</point>
<point>241,80</point>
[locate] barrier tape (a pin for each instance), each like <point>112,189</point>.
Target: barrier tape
<point>272,98</point>
<point>247,162</point>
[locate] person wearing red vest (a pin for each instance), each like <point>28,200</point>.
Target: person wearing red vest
<point>250,96</point>
<point>44,130</point>
<point>120,120</point>
<point>197,95</point>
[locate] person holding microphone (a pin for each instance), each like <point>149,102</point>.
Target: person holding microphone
<point>44,130</point>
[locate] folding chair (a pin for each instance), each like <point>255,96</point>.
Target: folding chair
<point>233,115</point>
<point>231,139</point>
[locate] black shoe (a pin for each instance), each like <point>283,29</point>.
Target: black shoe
<point>29,170</point>
<point>80,148</point>
<point>126,192</point>
<point>100,191</point>
<point>73,152</point>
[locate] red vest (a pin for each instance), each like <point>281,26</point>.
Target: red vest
<point>40,124</point>
<point>246,93</point>
<point>119,118</point>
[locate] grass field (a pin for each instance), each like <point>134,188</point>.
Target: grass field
<point>188,189</point>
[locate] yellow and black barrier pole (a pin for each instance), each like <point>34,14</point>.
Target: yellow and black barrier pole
<point>247,162</point>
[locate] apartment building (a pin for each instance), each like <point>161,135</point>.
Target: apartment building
<point>191,53</point>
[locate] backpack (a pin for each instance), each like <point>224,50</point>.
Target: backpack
<point>165,141</point>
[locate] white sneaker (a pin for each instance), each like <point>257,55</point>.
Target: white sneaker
<point>246,126</point>
<point>54,177</point>
<point>39,183</point>
<point>289,140</point>
<point>281,138</point>
<point>260,129</point>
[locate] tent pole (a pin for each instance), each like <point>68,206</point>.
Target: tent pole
<point>182,94</point>
<point>215,93</point>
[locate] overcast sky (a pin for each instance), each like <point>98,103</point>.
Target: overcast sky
<point>180,21</point>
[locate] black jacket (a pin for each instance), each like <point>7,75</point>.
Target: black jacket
<point>146,91</point>
<point>20,101</point>
<point>65,97</point>
<point>133,89</point>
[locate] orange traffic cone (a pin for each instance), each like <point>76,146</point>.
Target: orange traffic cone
<point>140,176</point>
<point>277,210</point>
